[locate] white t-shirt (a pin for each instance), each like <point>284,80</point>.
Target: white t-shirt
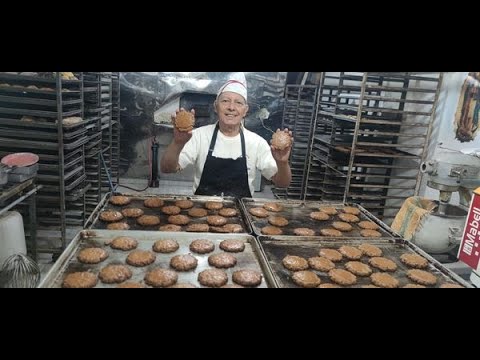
<point>259,155</point>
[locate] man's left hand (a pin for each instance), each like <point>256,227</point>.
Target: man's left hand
<point>282,156</point>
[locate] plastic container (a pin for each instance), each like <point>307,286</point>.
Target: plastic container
<point>12,235</point>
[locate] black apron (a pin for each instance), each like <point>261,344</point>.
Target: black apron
<point>226,176</point>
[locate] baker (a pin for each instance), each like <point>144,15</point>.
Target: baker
<point>225,155</point>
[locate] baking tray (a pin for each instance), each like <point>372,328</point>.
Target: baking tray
<point>297,213</point>
<point>275,248</point>
<point>137,201</point>
<point>250,258</point>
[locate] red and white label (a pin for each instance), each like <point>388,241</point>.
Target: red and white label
<point>469,251</point>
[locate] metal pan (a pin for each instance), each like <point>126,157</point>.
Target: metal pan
<point>67,262</point>
<point>275,248</point>
<point>20,159</point>
<point>137,201</point>
<point>297,212</point>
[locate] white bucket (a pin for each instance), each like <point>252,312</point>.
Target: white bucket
<point>12,235</point>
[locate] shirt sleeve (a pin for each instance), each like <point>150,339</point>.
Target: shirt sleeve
<point>189,153</point>
<point>265,161</point>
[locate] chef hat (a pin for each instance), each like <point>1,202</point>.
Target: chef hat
<point>236,83</point>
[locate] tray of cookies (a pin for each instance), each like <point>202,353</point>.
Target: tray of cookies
<point>145,259</point>
<point>169,213</point>
<point>333,263</point>
<point>313,218</point>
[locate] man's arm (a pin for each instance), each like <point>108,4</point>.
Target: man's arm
<point>169,161</point>
<point>283,177</point>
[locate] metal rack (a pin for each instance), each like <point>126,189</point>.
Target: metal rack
<point>103,132</point>
<point>370,136</point>
<point>43,113</point>
<point>298,115</point>
<point>115,165</point>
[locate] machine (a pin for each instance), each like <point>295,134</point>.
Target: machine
<point>449,172</point>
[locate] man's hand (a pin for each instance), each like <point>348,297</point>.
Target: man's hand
<point>180,138</point>
<point>282,156</point>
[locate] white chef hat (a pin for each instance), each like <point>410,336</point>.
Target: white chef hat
<point>236,83</point>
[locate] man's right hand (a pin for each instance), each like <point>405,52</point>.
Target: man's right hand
<point>181,137</point>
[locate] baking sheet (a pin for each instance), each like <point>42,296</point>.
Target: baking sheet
<point>67,263</point>
<point>199,202</point>
<point>275,248</point>
<point>297,213</point>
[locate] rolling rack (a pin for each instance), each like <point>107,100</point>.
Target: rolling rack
<point>43,113</point>
<point>370,136</point>
<point>298,116</point>
<point>115,162</point>
<point>92,110</point>
<point>107,130</point>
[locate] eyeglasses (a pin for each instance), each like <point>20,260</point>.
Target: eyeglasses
<point>236,103</point>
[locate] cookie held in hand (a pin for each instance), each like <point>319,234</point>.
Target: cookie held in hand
<point>184,121</point>
<point>281,140</point>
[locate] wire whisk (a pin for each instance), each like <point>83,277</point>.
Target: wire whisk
<point>20,271</point>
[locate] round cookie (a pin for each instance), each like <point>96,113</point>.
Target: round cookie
<point>370,250</point>
<point>342,226</point>
<point>110,216</point>
<point>119,200</point>
<point>197,212</point>
<point>259,212</point>
<point>165,246</point>
<point>222,260</point>
<point>159,277</point>
<point>384,280</point>
<point>92,255</point>
<point>123,243</point>
<point>213,277</point>
<point>132,212</point>
<point>201,246</point>
<point>382,263</point>
<point>272,206</point>
<point>183,262</point>
<point>247,277</point>
<point>118,226</point>
<point>306,279</point>
<point>140,258</point>
<point>80,280</point>
<point>295,263</point>
<point>342,277</point>
<point>153,202</point>
<point>271,230</point>
<point>304,232</point>
<point>321,263</point>
<point>414,260</point>
<point>111,274</point>
<point>232,245</point>
<point>184,204</point>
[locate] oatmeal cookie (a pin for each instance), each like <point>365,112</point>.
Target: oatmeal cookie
<point>80,280</point>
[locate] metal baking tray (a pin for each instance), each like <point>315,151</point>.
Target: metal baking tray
<point>137,201</point>
<point>275,248</point>
<point>297,213</point>
<point>67,262</point>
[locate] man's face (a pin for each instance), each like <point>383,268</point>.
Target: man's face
<point>231,108</point>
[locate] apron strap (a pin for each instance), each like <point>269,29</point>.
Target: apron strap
<point>214,140</point>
